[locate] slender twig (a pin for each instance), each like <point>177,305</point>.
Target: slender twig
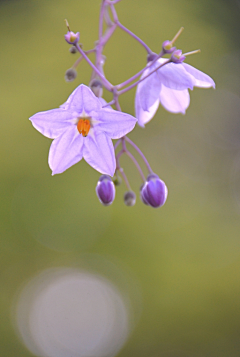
<point>116,101</point>
<point>106,83</point>
<point>135,37</point>
<point>140,153</point>
<point>101,15</point>
<point>118,23</point>
<point>81,57</point>
<point>117,144</point>
<point>107,17</point>
<point>123,84</point>
<point>142,79</point>
<point>77,62</point>
<point>118,168</point>
<point>125,150</point>
<point>114,13</point>
<point>98,61</point>
<point>136,164</point>
<point>109,104</point>
<point>109,32</point>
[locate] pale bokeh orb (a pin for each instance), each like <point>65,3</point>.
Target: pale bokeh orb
<point>69,312</point>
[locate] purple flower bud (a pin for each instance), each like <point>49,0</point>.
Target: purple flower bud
<point>154,192</point>
<point>167,47</point>
<point>72,38</point>
<point>105,190</point>
<point>151,57</point>
<point>177,56</point>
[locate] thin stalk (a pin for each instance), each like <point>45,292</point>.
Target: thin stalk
<point>136,164</point>
<point>81,57</point>
<point>118,168</point>
<point>134,36</point>
<point>106,83</point>
<point>123,84</point>
<point>117,144</point>
<point>125,150</point>
<point>109,32</point>
<point>142,79</point>
<point>101,16</point>
<point>110,103</point>
<point>140,153</point>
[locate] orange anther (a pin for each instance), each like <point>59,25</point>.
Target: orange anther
<point>84,126</point>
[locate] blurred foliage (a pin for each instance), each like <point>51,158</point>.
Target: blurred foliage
<point>184,256</point>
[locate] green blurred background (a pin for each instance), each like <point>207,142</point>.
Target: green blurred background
<point>181,262</point>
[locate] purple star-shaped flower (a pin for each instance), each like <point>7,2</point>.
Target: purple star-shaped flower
<point>167,86</point>
<point>81,128</point>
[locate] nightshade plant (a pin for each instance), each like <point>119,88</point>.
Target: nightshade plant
<point>84,126</point>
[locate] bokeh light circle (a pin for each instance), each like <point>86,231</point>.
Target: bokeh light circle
<point>68,312</point>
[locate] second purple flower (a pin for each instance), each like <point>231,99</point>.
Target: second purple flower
<point>167,86</point>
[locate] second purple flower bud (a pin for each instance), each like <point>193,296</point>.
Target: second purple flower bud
<point>154,192</point>
<point>105,190</point>
<point>72,38</point>
<point>177,56</point>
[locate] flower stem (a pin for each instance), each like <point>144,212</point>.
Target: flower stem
<point>136,164</point>
<point>117,143</point>
<point>109,32</point>
<point>120,169</point>
<point>101,15</point>
<point>81,57</point>
<point>140,153</point>
<point>134,36</point>
<point>106,83</point>
<point>123,84</point>
<point>115,98</point>
<point>142,79</point>
<point>125,150</point>
<point>118,23</point>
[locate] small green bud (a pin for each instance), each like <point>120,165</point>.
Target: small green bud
<point>117,180</point>
<point>73,49</point>
<point>129,198</point>
<point>96,87</point>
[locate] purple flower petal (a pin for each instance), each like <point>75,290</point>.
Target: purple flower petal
<point>66,150</point>
<point>52,122</point>
<point>115,124</point>
<point>200,79</point>
<point>98,151</point>
<point>81,99</point>
<point>145,116</point>
<point>148,90</point>
<point>174,76</point>
<point>175,101</point>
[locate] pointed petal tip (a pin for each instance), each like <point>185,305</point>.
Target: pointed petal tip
<point>141,125</point>
<point>105,172</point>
